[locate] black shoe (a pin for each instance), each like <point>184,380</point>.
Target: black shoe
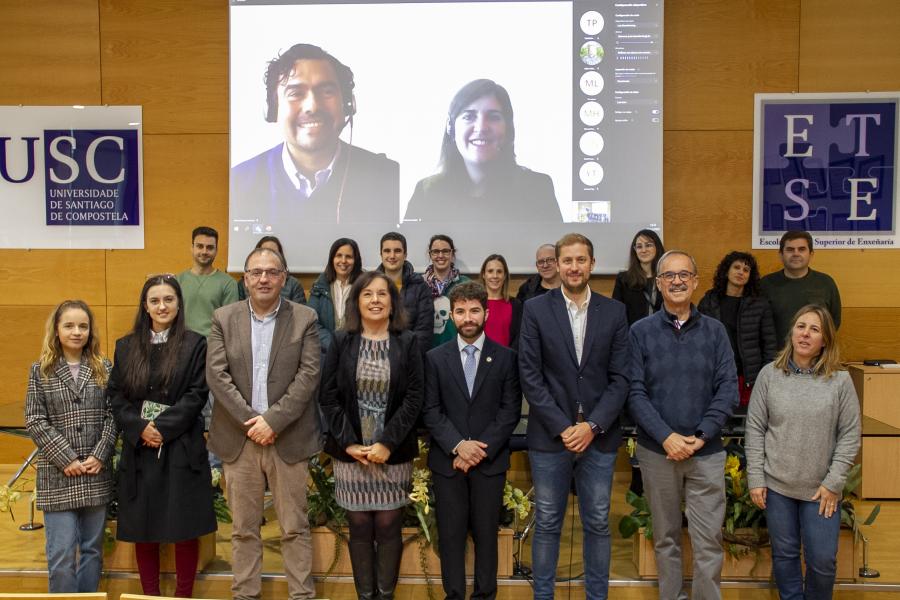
<point>362,559</point>
<point>387,569</point>
<point>637,481</point>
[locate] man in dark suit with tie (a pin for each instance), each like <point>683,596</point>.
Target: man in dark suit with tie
<point>573,364</point>
<point>472,405</point>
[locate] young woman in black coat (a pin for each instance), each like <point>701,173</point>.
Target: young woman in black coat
<point>735,300</point>
<point>157,390</point>
<point>636,289</point>
<point>636,286</point>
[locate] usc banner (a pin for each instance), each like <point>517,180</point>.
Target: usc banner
<point>71,177</point>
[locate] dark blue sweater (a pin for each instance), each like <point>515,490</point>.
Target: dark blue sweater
<point>682,380</point>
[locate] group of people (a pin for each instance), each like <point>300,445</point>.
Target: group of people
<point>370,354</point>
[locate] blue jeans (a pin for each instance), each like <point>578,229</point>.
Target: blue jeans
<point>69,532</point>
<point>792,522</point>
<point>552,474</point>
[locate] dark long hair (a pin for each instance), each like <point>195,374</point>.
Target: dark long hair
<point>720,279</point>
<point>330,273</point>
<point>274,240</point>
<point>634,276</point>
<point>137,363</point>
<point>452,164</point>
<point>353,318</point>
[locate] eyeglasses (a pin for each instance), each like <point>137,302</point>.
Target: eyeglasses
<point>257,273</point>
<point>669,276</point>
<point>545,262</point>
<point>441,252</point>
<point>644,246</point>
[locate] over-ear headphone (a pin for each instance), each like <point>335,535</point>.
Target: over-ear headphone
<point>281,66</point>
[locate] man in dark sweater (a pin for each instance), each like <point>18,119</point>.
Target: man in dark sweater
<point>797,285</point>
<point>547,277</point>
<point>683,389</point>
<point>416,295</point>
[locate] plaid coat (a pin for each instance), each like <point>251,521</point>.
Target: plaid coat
<point>69,420</point>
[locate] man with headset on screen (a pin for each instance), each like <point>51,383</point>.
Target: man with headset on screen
<point>313,176</point>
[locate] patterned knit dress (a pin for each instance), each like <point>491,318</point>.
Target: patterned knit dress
<point>372,487</point>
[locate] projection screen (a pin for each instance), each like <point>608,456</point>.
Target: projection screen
<point>501,124</point>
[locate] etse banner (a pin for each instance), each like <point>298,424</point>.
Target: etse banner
<point>71,177</point>
<point>826,164</point>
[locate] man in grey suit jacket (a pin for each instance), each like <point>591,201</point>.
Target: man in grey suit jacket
<point>263,369</point>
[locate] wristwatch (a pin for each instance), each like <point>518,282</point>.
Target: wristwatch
<point>595,429</point>
<point>700,435</point>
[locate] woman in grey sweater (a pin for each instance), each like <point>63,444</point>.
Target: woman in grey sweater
<point>803,431</point>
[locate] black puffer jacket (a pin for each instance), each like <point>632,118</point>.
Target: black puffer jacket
<point>755,331</point>
<point>418,304</point>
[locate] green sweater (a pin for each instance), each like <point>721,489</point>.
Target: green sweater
<point>787,296</point>
<point>203,294</point>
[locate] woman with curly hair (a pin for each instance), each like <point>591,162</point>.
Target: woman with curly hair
<point>735,300</point>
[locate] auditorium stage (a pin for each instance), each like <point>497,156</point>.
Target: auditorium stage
<point>23,566</point>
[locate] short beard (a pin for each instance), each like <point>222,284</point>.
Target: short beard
<point>574,291</point>
<point>478,331</point>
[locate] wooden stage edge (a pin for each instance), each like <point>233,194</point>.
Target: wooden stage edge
<point>874,586</point>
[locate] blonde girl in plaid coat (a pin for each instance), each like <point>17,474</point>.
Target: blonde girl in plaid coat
<point>71,423</point>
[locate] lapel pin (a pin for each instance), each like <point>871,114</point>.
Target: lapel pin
<point>488,359</point>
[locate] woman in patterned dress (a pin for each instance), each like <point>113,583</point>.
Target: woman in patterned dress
<point>372,385</point>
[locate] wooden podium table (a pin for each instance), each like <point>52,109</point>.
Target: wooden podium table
<point>879,396</point>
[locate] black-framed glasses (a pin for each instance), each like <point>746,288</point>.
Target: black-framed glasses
<point>545,262</point>
<point>441,252</point>
<point>669,276</point>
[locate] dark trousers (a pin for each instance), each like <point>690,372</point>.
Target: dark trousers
<point>468,502</point>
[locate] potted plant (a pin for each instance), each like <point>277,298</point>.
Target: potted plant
<point>745,538</point>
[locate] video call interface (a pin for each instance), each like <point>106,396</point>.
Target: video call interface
<point>502,124</point>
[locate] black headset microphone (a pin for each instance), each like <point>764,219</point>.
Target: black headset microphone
<point>346,85</point>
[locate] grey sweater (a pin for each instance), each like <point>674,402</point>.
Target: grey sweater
<point>802,432</point>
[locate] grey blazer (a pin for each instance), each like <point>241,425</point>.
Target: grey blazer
<point>292,385</point>
<point>70,420</point>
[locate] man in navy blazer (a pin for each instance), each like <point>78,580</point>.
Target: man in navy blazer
<point>573,364</point>
<point>472,405</point>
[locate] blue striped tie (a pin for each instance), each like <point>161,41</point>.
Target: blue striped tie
<point>469,367</point>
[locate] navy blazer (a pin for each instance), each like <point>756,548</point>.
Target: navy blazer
<point>489,415</point>
<point>554,382</point>
<point>338,397</point>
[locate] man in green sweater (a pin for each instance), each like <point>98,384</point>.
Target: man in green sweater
<point>797,285</point>
<point>204,287</point>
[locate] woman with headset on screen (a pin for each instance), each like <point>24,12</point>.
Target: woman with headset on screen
<point>479,177</point>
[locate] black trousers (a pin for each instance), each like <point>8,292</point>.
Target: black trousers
<point>468,502</point>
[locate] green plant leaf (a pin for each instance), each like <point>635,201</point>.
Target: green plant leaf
<point>873,515</point>
<point>628,526</point>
